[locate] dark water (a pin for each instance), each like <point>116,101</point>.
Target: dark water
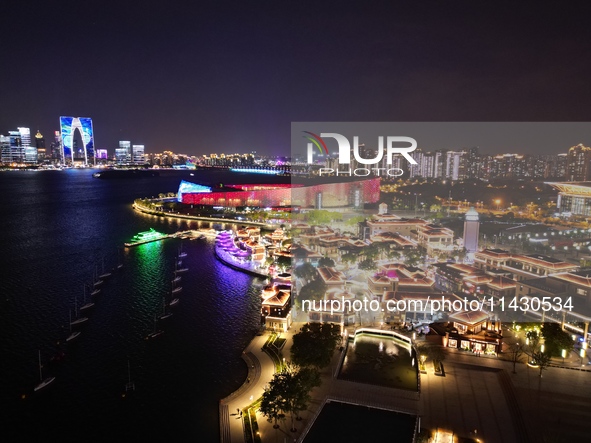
<point>380,361</point>
<point>56,228</point>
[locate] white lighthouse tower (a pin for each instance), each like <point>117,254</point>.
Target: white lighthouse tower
<point>471,230</point>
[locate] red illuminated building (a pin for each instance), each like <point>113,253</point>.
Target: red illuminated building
<point>327,195</point>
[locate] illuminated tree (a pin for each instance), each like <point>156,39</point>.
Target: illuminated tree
<point>288,392</point>
<point>326,262</point>
<point>314,345</point>
<point>556,339</point>
<point>542,360</point>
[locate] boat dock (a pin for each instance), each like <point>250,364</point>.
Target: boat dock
<point>152,236</point>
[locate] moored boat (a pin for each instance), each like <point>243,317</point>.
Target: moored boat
<point>44,382</point>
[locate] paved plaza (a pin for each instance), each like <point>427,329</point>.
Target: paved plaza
<point>479,397</point>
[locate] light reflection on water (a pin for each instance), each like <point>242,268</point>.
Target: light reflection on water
<point>60,226</point>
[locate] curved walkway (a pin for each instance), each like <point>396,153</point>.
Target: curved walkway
<point>144,210</point>
<point>260,372</point>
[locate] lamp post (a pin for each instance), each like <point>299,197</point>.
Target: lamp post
<point>498,202</point>
<point>563,355</point>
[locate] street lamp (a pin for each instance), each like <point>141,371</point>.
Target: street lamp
<point>563,355</point>
<point>498,202</point>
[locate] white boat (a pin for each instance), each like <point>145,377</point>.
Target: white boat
<point>177,289</point>
<point>165,314</point>
<point>154,333</point>
<point>178,270</point>
<point>88,305</point>
<point>73,334</point>
<point>129,386</point>
<point>96,281</point>
<point>43,382</point>
<point>181,253</point>
<point>119,262</point>
<point>173,302</point>
<point>104,274</point>
<point>177,279</point>
<point>79,320</point>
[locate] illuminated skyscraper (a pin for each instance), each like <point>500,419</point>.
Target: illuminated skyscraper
<point>12,148</point>
<point>138,156</point>
<point>30,152</point>
<point>40,145</point>
<point>68,126</point>
<point>123,152</point>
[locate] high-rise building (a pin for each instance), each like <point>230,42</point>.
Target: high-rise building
<point>70,154</point>
<point>439,164</point>
<point>40,145</point>
<point>471,230</point>
<point>123,152</point>
<point>4,148</point>
<point>454,165</point>
<point>30,152</point>
<point>56,148</point>
<point>138,154</point>
<point>577,166</point>
<point>12,148</point>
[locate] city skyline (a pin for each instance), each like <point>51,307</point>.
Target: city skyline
<point>227,84</point>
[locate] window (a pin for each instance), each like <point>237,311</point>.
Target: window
<point>581,291</point>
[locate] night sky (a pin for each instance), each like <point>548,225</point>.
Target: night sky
<point>201,77</point>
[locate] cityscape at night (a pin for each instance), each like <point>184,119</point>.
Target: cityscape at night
<point>296,222</point>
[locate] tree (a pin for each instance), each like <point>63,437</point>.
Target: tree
<point>283,261</point>
<point>437,355</point>
<point>288,392</point>
<point>272,401</point>
<point>372,251</point>
<point>534,340</point>
<point>462,254</point>
<point>349,258</point>
<point>314,345</point>
<point>541,359</point>
<point>326,262</point>
<point>412,257</point>
<point>314,290</point>
<point>306,271</point>
<point>319,217</point>
<point>354,220</point>
<point>516,352</point>
<point>393,254</point>
<point>556,339</point>
<point>302,381</point>
<point>367,265</point>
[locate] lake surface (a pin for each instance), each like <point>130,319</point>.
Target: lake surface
<point>58,228</point>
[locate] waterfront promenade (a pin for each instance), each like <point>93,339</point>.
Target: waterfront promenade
<point>144,210</point>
